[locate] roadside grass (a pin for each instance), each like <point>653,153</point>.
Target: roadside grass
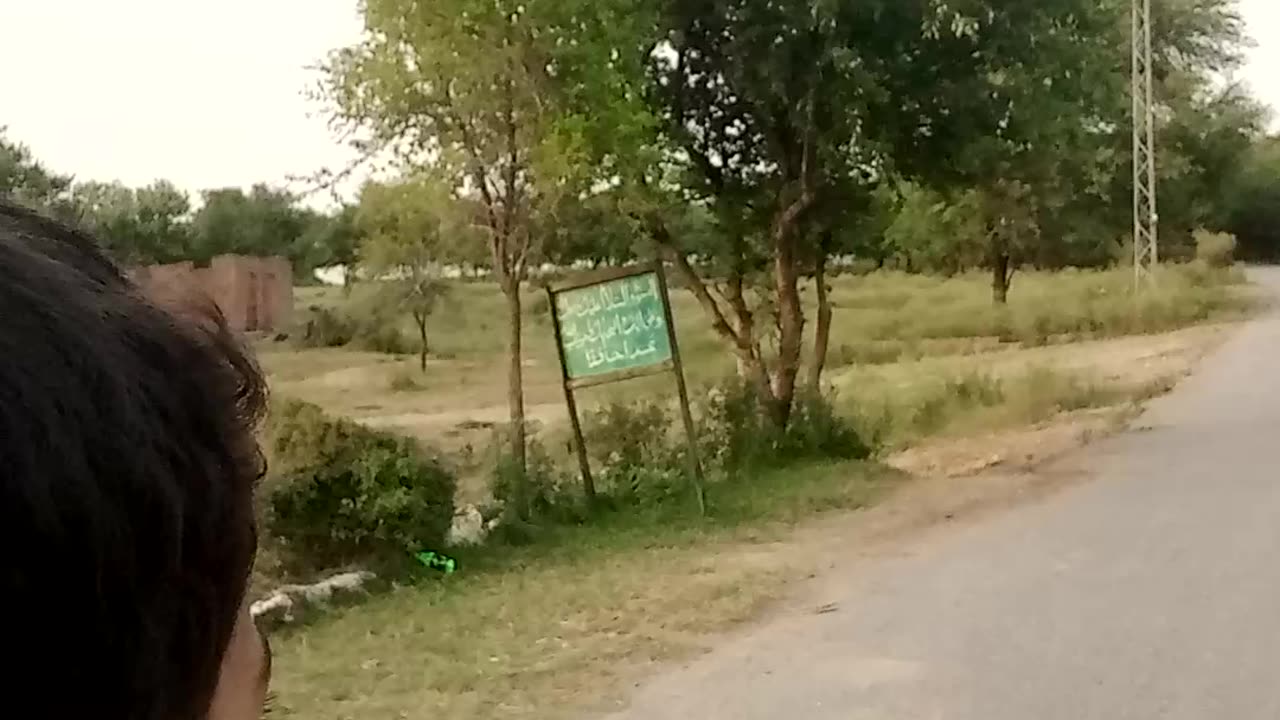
<point>548,629</point>
<point>946,398</point>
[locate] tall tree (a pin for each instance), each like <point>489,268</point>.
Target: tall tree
<point>470,90</point>
<point>762,108</point>
<point>1037,104</point>
<point>779,117</point>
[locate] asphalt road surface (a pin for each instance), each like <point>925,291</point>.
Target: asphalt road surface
<point>1151,591</point>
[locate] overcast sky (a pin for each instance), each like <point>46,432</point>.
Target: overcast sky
<point>209,94</point>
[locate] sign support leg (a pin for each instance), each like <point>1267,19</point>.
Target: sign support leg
<point>579,443</point>
<point>695,464</point>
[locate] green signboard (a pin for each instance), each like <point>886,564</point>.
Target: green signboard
<point>615,325</point>
<point>612,327</point>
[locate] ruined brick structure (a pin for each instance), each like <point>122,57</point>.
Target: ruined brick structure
<point>255,294</point>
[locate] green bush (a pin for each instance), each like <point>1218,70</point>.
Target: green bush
<point>552,494</point>
<point>1215,249</point>
<point>639,458</point>
<point>325,327</point>
<point>739,433</point>
<point>340,492</point>
<point>376,335</point>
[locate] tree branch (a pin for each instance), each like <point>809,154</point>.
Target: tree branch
<point>662,238</point>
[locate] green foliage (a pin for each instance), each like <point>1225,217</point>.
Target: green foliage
<point>264,222</point>
<point>1253,214</point>
<point>1215,249</point>
<point>380,335</point>
<point>358,327</point>
<point>552,493</point>
<point>928,233</point>
<point>327,327</point>
<point>340,492</point>
<point>638,456</point>
<point>739,437</point>
<point>409,236</point>
<point>144,226</point>
<point>26,180</point>
<point>329,240</point>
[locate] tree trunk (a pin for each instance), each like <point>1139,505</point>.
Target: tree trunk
<point>790,325</point>
<point>423,349</point>
<point>515,395</point>
<point>822,332</point>
<point>1000,277</point>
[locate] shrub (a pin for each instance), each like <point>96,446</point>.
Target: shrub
<point>325,327</point>
<point>638,458</point>
<point>1215,249</point>
<point>552,493</point>
<point>339,491</point>
<point>739,434</point>
<point>817,432</point>
<point>376,335</point>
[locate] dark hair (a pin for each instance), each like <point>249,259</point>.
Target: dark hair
<point>128,462</point>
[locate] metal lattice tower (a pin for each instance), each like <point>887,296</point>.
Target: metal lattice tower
<point>1146,253</point>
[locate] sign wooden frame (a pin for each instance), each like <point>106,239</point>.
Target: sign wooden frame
<point>672,365</point>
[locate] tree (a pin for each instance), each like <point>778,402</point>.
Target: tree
<point>781,118</point>
<point>1028,117</point>
<point>138,227</point>
<point>1253,215</point>
<point>469,90</point>
<point>330,240</point>
<point>407,233</point>
<point>27,181</point>
<point>264,222</point>
<point>590,230</point>
<point>1202,128</point>
<point>928,232</point>
<point>761,109</point>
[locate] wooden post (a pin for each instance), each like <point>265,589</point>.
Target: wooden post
<point>695,463</point>
<point>580,444</point>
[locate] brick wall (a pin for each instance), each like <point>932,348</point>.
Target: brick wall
<point>255,294</point>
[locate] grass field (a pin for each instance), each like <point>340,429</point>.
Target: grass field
<point>900,344</point>
<point>551,629</point>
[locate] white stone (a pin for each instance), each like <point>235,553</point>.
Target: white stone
<point>279,605</point>
<point>468,528</point>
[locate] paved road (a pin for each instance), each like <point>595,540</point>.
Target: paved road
<point>1153,592</point>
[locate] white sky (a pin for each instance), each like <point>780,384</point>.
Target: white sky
<point>209,94</point>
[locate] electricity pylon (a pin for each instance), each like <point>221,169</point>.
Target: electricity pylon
<point>1146,248</point>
